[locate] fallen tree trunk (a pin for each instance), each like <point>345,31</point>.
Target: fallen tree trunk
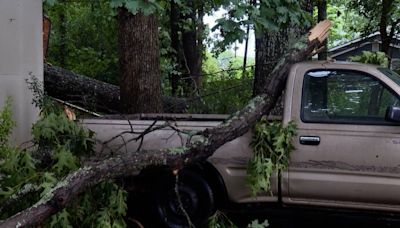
<point>211,139</point>
<point>93,94</point>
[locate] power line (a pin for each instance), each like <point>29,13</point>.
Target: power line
<point>191,100</point>
<point>229,70</point>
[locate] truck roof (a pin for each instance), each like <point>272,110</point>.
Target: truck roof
<point>334,64</point>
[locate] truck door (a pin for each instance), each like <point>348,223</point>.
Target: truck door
<point>347,154</point>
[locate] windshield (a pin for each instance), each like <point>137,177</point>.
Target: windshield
<point>391,74</point>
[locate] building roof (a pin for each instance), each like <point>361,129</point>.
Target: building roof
<point>361,44</point>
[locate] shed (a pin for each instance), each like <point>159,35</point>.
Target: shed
<point>369,43</point>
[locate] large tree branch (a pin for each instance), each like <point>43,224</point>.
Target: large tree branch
<point>91,93</point>
<point>211,140</point>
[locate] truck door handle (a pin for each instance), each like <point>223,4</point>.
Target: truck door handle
<point>310,140</point>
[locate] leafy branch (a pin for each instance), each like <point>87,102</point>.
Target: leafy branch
<point>29,175</point>
<point>271,144</point>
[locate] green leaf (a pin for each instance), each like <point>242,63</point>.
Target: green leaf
<point>177,150</point>
<point>132,6</point>
<point>50,2</point>
<point>26,163</point>
<point>65,161</point>
<point>61,220</point>
<point>257,224</point>
<point>7,192</point>
<point>48,182</point>
<point>6,121</point>
<point>117,3</point>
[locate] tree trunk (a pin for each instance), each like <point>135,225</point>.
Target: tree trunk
<point>46,35</point>
<point>269,49</point>
<point>322,15</point>
<point>212,139</point>
<point>192,50</point>
<point>176,46</point>
<point>188,46</point>
<point>383,24</point>
<point>139,59</point>
<point>93,94</point>
<point>63,32</point>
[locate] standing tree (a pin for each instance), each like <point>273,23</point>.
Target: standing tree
<point>322,15</point>
<point>187,35</point>
<point>63,31</point>
<point>271,45</point>
<point>139,58</point>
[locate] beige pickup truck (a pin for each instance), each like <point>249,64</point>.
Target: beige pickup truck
<point>347,147</point>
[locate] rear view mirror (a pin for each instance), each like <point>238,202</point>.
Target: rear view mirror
<point>393,114</point>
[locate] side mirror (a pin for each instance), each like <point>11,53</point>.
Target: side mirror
<point>393,114</point>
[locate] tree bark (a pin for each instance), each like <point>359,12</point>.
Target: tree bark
<point>177,53</point>
<point>192,48</point>
<point>322,15</point>
<point>383,24</point>
<point>188,46</point>
<point>93,94</point>
<point>269,49</point>
<point>139,59</point>
<point>46,35</point>
<point>63,32</point>
<point>212,139</point>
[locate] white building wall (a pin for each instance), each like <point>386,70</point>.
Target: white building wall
<point>21,55</point>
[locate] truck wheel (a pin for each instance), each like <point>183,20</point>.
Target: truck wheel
<point>196,197</point>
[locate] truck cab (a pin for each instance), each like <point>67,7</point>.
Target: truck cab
<point>347,148</point>
<point>347,145</point>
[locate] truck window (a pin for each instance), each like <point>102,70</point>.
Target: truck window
<point>343,96</point>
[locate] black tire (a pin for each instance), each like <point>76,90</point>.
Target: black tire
<point>196,197</point>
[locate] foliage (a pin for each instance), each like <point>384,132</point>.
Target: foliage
<point>15,165</point>
<point>138,6</point>
<point>271,144</point>
<point>260,15</point>
<point>28,175</point>
<point>225,89</point>
<point>40,98</point>
<point>257,224</point>
<point>6,122</point>
<point>372,11</point>
<point>220,220</point>
<point>89,44</point>
<point>346,23</point>
<point>376,58</point>
<point>382,16</point>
